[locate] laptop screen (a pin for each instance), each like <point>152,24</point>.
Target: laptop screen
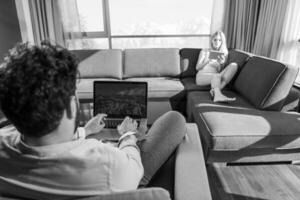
<point>119,99</point>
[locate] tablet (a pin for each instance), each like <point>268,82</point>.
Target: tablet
<point>213,55</point>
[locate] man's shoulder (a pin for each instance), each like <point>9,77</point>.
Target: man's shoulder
<point>8,134</point>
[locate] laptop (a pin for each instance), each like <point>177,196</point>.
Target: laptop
<point>119,99</point>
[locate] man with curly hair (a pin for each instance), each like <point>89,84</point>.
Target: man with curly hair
<point>46,155</point>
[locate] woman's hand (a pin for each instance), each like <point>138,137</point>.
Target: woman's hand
<point>221,59</point>
<point>95,125</point>
<point>127,125</point>
<point>203,59</point>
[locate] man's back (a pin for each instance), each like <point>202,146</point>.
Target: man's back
<point>80,167</point>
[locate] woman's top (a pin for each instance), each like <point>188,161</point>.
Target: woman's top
<point>206,65</point>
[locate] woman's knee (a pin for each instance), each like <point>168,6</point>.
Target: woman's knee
<point>233,67</point>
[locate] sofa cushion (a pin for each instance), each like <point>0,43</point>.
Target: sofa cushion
<point>161,87</point>
<point>189,58</point>
<point>258,80</point>
<point>151,62</point>
<point>101,64</point>
<point>237,56</point>
<point>278,95</point>
<point>240,58</point>
<point>190,85</point>
<point>197,99</point>
<point>229,128</point>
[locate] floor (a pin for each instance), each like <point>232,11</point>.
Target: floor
<point>261,182</point>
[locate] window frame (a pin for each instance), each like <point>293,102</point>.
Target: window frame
<point>107,31</point>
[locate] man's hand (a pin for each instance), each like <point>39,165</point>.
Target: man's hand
<point>127,125</point>
<point>95,124</point>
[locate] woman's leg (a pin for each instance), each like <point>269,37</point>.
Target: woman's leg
<point>163,137</point>
<point>219,81</point>
<point>228,73</point>
<point>203,78</point>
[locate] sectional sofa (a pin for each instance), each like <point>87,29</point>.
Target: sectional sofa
<point>251,129</point>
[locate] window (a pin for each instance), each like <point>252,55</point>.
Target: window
<point>91,15</point>
<point>156,17</point>
<point>142,24</point>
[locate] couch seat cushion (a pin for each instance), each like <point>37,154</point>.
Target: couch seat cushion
<point>233,128</point>
<point>190,84</point>
<point>85,86</point>
<point>161,87</point>
<point>196,99</point>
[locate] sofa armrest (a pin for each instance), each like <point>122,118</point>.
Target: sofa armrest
<point>191,181</point>
<point>153,193</point>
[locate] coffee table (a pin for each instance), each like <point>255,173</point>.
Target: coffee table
<point>261,182</point>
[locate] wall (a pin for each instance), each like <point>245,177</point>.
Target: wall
<point>9,27</point>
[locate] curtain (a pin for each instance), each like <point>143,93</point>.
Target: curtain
<point>45,24</point>
<point>289,46</point>
<point>217,16</point>
<point>72,27</point>
<point>54,20</point>
<point>269,27</point>
<point>255,25</point>
<point>240,22</point>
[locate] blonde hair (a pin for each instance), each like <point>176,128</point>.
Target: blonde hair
<point>223,47</point>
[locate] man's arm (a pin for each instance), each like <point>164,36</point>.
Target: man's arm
<point>127,169</point>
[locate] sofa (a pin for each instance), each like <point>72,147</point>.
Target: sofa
<point>159,67</point>
<point>182,177</point>
<point>254,128</point>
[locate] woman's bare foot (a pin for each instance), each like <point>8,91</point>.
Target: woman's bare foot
<point>220,97</point>
<point>211,91</point>
<point>224,99</point>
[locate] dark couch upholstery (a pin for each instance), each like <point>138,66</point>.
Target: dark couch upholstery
<point>253,128</point>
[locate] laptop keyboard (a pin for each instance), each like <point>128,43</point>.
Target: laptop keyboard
<point>109,123</point>
<point>113,123</point>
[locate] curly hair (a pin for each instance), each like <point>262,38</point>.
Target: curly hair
<point>36,85</point>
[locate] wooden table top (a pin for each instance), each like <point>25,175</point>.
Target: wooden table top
<point>262,182</point>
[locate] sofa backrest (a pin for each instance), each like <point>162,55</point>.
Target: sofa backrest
<point>265,82</point>
<point>188,59</point>
<point>240,58</point>
<point>100,63</point>
<point>153,62</point>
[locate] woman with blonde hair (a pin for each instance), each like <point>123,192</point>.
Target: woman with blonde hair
<point>211,69</point>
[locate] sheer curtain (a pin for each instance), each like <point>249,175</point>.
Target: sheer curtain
<point>54,20</point>
<point>289,46</point>
<point>72,28</point>
<point>39,21</point>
